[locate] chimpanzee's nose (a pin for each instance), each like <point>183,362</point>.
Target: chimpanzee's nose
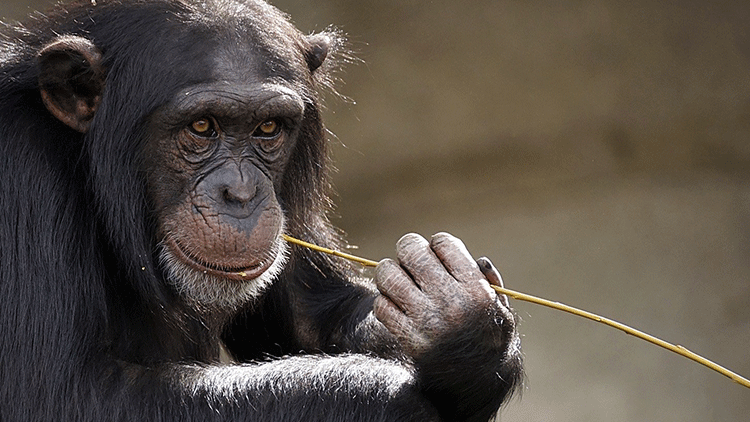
<point>233,188</point>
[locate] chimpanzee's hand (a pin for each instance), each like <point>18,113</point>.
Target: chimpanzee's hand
<point>438,303</point>
<point>435,291</point>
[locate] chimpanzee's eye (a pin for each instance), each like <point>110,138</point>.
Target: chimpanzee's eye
<point>200,136</point>
<point>204,127</point>
<point>268,129</point>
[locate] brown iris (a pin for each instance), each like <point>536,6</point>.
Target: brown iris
<point>267,129</point>
<point>203,127</point>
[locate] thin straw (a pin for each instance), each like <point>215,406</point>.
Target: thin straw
<point>680,350</point>
<point>363,261</point>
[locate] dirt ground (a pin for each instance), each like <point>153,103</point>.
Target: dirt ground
<point>596,151</point>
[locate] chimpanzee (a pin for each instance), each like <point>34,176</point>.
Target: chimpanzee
<point>153,152</point>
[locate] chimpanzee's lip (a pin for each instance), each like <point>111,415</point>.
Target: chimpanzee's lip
<point>243,273</point>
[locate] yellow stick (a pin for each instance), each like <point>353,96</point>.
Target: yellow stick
<point>680,350</point>
<point>363,261</point>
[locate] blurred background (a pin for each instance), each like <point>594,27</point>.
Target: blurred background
<point>597,151</point>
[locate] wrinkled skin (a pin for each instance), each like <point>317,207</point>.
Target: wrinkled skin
<point>432,291</point>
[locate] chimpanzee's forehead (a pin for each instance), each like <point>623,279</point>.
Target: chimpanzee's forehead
<point>254,42</point>
<point>251,57</point>
<point>210,42</point>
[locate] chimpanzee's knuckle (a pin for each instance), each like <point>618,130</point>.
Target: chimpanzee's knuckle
<point>386,271</point>
<point>413,249</point>
<point>381,307</point>
<point>445,240</point>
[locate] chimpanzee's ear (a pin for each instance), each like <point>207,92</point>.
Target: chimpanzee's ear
<point>317,51</point>
<point>71,80</point>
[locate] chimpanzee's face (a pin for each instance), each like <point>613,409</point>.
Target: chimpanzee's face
<point>214,163</point>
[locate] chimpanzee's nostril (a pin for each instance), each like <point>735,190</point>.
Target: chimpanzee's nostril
<point>238,195</point>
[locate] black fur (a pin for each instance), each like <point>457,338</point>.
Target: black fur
<point>89,330</point>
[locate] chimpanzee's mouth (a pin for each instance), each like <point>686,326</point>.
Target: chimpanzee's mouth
<point>239,273</point>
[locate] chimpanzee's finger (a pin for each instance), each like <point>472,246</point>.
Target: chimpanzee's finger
<point>395,284</point>
<point>391,316</point>
<point>493,276</point>
<point>418,259</point>
<point>455,257</point>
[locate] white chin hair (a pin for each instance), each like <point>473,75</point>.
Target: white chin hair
<point>210,291</point>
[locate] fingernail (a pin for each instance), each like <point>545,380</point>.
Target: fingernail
<point>484,264</point>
